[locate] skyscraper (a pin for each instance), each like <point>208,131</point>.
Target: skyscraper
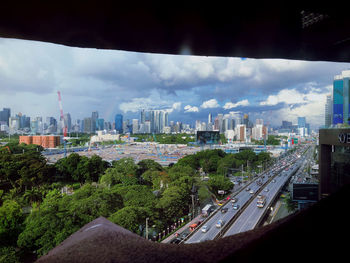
<point>328,111</point>
<point>87,125</point>
<point>301,122</point>
<point>210,118</point>
<point>135,126</point>
<point>341,98</point>
<point>67,121</point>
<point>94,117</point>
<point>119,123</point>
<point>5,115</point>
<point>143,116</point>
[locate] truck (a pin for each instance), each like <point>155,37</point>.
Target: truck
<point>261,201</point>
<point>207,210</point>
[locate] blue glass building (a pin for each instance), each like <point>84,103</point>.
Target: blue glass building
<point>119,123</point>
<point>341,98</point>
<point>301,122</point>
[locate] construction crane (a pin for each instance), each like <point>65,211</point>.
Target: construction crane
<point>64,127</point>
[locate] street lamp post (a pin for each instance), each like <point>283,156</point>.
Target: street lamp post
<point>147,228</point>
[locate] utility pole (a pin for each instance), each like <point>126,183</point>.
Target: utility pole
<point>192,205</point>
<point>147,227</point>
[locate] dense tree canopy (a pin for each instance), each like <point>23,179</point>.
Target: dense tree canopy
<point>127,193</point>
<point>59,216</point>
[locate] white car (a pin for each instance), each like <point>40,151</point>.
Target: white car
<point>251,192</point>
<point>220,223</point>
<point>204,229</point>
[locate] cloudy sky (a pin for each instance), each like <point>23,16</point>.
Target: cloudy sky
<point>189,87</point>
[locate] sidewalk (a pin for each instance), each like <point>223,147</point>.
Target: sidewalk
<point>182,229</point>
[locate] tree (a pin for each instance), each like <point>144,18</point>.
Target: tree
<point>219,182</point>
<point>11,219</point>
<point>148,164</point>
<point>173,203</point>
<point>113,176</point>
<point>61,215</point>
<point>130,218</point>
<point>96,168</point>
<point>125,166</point>
<point>136,195</point>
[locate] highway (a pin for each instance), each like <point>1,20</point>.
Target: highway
<point>252,215</point>
<point>248,218</point>
<point>242,198</point>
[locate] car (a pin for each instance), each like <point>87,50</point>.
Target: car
<point>251,191</point>
<point>235,207</point>
<point>175,241</point>
<point>184,235</point>
<point>204,229</point>
<point>224,210</point>
<point>220,223</point>
<point>266,189</point>
<point>234,200</point>
<point>247,189</point>
<point>259,196</point>
<point>274,181</point>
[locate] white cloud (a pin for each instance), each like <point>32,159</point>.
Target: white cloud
<point>310,104</point>
<point>189,108</point>
<point>292,96</point>
<point>212,103</point>
<point>230,105</point>
<point>154,101</point>
<point>176,106</point>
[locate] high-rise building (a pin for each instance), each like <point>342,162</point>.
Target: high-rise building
<point>94,117</point>
<point>87,125</point>
<point>52,124</point>
<point>143,116</point>
<point>241,132</point>
<point>301,122</point>
<point>328,111</point>
<point>246,119</point>
<point>220,122</point>
<point>5,115</point>
<point>100,123</point>
<point>67,121</point>
<point>287,124</point>
<point>135,126</point>
<point>210,118</point>
<point>119,123</point>
<point>341,98</point>
<point>14,123</point>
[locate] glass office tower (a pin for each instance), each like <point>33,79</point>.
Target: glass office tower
<point>341,98</point>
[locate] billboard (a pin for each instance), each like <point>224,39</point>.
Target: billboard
<point>305,192</point>
<point>208,137</point>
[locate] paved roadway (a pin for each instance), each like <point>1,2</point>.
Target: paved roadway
<point>243,196</point>
<point>251,216</point>
<point>251,213</point>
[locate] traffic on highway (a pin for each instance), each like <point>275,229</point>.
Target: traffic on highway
<point>245,210</point>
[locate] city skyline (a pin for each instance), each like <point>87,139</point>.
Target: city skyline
<point>187,87</point>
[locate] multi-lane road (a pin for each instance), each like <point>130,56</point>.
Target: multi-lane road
<point>248,215</point>
<point>252,215</point>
